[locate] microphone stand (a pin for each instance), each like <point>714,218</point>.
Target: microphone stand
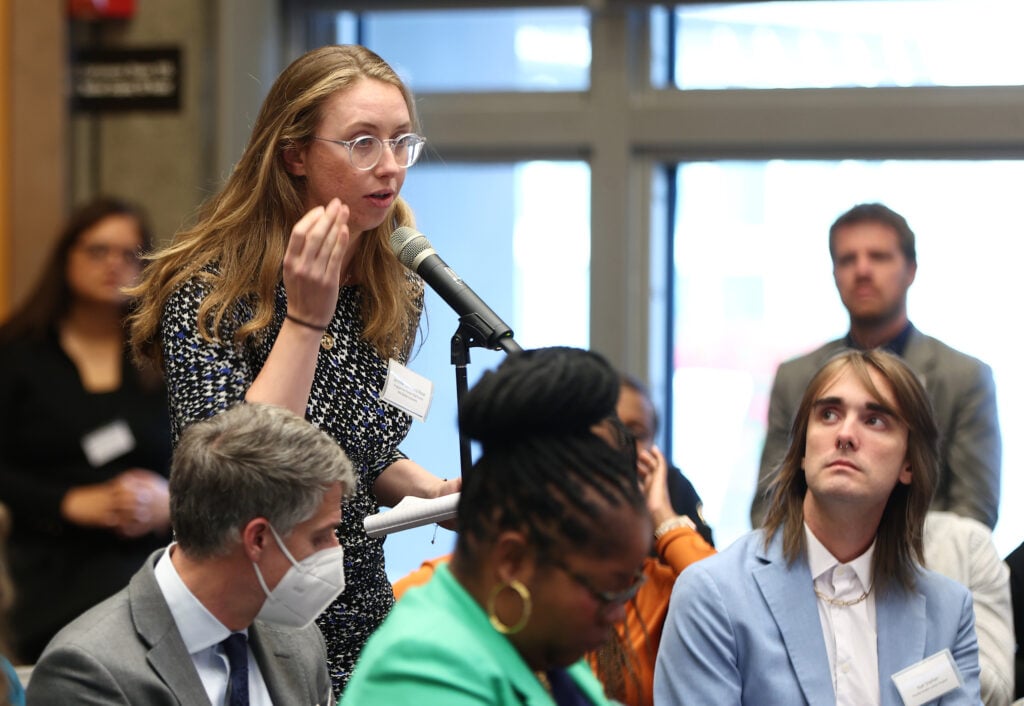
<point>411,512</point>
<point>473,333</point>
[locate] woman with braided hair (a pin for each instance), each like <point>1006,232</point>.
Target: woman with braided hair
<point>553,532</point>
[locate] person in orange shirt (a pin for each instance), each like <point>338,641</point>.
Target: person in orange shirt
<point>625,665</point>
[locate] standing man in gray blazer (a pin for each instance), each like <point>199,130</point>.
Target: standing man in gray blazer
<point>224,614</point>
<point>874,261</point>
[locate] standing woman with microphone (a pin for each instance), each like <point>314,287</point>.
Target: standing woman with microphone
<point>286,292</point>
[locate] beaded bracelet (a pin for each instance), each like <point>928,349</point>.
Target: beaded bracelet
<point>673,523</point>
<point>300,322</point>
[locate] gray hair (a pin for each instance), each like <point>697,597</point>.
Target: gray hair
<point>252,460</point>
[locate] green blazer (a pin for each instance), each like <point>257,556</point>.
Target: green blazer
<point>437,647</point>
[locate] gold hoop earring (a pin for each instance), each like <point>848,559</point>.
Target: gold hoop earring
<point>524,595</point>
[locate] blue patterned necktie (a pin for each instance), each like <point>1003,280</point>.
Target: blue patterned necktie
<point>238,676</point>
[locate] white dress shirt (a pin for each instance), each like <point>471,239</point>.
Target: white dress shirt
<point>850,633</point>
<point>202,634</point>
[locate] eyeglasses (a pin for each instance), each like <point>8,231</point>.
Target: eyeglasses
<point>365,152</point>
<point>606,598</point>
<point>99,252</point>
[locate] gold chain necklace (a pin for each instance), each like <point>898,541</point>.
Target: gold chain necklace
<point>841,603</point>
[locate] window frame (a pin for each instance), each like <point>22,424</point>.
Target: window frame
<point>630,131</point>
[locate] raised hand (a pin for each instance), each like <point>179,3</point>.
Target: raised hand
<point>313,261</point>
<point>652,468</point>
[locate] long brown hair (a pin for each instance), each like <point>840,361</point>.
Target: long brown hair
<point>243,230</point>
<point>899,546</point>
<point>50,298</point>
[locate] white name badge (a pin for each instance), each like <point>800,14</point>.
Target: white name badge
<point>928,679</point>
<point>108,442</point>
<point>407,390</point>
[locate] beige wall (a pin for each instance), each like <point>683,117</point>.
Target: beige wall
<point>36,186</point>
<point>165,160</point>
<point>161,159</point>
<point>5,155</point>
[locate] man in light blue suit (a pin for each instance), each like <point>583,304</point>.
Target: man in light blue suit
<point>829,602</point>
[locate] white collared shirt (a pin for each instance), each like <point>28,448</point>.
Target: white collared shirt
<point>850,631</point>
<point>202,634</point>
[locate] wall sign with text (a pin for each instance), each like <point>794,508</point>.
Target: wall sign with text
<point>126,79</point>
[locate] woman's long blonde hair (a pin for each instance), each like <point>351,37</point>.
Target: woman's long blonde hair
<point>243,230</point>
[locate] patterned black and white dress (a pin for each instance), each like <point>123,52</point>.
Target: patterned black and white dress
<point>205,378</point>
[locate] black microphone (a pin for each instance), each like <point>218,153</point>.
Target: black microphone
<point>415,252</point>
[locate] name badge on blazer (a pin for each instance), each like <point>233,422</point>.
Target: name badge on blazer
<point>108,442</point>
<point>407,390</point>
<point>928,679</point>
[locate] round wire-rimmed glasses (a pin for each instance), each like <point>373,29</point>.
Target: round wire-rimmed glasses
<point>365,152</point>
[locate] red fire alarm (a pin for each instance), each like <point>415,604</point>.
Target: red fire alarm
<point>101,9</point>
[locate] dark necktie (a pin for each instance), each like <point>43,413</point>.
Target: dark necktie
<point>238,676</point>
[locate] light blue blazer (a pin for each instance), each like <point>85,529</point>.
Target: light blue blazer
<point>743,628</point>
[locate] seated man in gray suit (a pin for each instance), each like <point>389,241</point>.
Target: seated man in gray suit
<point>223,615</point>
<point>829,602</point>
<point>874,261</point>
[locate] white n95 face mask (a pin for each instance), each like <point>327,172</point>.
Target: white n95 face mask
<point>305,590</point>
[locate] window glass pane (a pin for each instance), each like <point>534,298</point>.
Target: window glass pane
<point>753,287</point>
<point>849,43</point>
<point>534,49</point>
<point>346,27</point>
<point>526,256</point>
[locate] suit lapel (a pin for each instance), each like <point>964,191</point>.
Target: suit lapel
<point>920,356</point>
<point>277,666</point>
<point>902,627</point>
<point>155,626</point>
<point>789,592</point>
<point>522,681</point>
